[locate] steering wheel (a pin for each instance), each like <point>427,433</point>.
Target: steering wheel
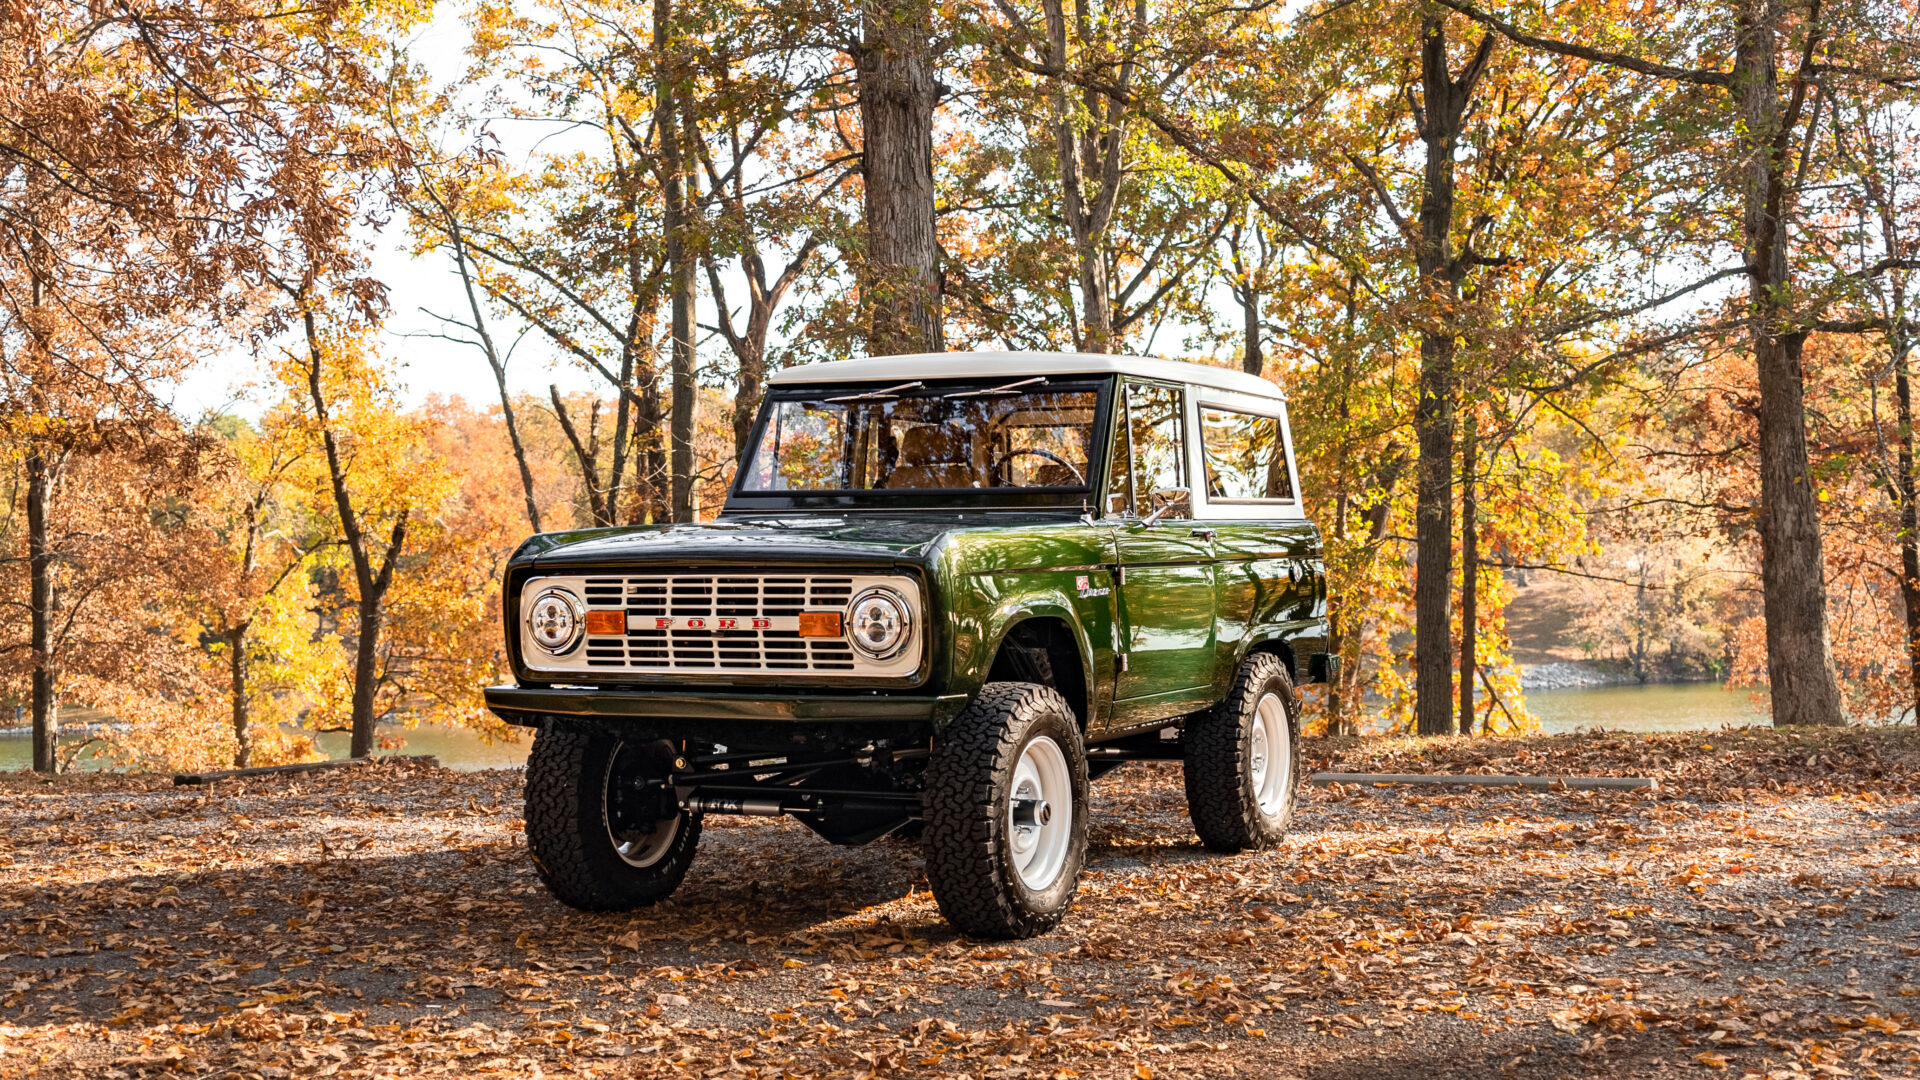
<point>1002,478</point>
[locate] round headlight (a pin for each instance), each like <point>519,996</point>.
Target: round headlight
<point>878,623</point>
<point>555,619</point>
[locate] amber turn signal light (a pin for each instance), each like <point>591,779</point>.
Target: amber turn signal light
<point>819,624</point>
<point>606,622</point>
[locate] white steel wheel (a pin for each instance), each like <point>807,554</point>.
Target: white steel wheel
<point>1040,814</point>
<point>1242,760</point>
<point>1270,755</point>
<point>641,848</point>
<point>640,838</point>
<point>1006,812</point>
<point>595,827</point>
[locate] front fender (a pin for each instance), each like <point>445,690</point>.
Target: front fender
<point>991,605</point>
<point>990,580</point>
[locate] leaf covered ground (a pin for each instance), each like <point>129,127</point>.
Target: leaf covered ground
<point>1756,916</point>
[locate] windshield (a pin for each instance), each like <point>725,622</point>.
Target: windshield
<point>1007,434</point>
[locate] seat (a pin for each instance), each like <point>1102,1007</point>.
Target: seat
<point>932,456</point>
<point>1054,474</point>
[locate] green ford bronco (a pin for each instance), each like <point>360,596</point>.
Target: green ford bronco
<point>946,591</point>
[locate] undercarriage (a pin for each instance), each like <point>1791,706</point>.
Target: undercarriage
<point>846,797</point>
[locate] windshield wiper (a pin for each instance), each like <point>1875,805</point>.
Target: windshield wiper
<point>877,395</point>
<point>1010,388</point>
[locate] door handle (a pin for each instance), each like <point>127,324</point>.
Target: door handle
<point>1202,534</point>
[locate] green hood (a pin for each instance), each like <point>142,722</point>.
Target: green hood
<point>774,538</point>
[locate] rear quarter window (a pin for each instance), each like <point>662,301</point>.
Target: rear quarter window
<point>1244,455</point>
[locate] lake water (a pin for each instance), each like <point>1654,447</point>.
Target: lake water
<point>1659,707</point>
<point>1673,707</point>
<point>456,748</point>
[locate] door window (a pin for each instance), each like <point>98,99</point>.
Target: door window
<point>1158,435</point>
<point>1119,472</point>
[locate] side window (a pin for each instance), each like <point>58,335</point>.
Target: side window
<point>801,449</point>
<point>1119,476</point>
<point>1244,455</point>
<point>1157,431</point>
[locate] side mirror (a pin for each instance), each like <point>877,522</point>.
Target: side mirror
<point>1170,502</point>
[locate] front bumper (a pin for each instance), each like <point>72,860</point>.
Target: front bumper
<point>528,705</point>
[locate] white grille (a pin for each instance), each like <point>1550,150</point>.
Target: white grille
<point>742,624</point>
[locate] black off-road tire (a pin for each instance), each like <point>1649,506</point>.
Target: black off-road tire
<point>568,833</point>
<point>966,843</point>
<point>1217,746</point>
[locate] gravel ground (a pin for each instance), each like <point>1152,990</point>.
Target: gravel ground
<point>1755,916</point>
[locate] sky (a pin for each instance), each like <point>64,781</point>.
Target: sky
<point>427,366</point>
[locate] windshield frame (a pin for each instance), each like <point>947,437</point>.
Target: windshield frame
<point>1075,499</point>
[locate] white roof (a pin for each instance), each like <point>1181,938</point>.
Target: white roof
<point>965,365</point>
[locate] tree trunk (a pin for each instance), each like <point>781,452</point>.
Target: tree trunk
<point>893,76</point>
<point>366,661</point>
<point>685,360</point>
<point>1909,516</point>
<point>685,401</point>
<point>1433,538</point>
<point>1096,291</point>
<point>1440,121</point>
<point>41,595</point>
<point>1800,670</point>
<point>1638,650</point>
<point>46,716</point>
<point>1093,153</point>
<point>667,121</point>
<point>237,682</point>
<point>647,434</point>
<point>513,438</point>
<point>746,403</point>
<point>373,583</point>
<point>1433,418</point>
<point>1469,573</point>
<point>585,454</point>
<point>1253,358</point>
<point>1344,695</point>
<point>1900,351</point>
<point>650,483</point>
<point>750,348</point>
<point>1336,626</point>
